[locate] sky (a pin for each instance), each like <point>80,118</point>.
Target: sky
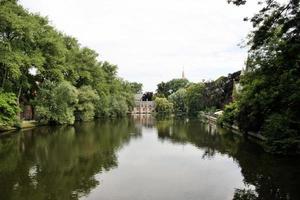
<point>153,41</point>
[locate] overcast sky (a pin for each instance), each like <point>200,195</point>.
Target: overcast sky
<point>152,41</point>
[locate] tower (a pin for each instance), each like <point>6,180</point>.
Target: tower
<point>183,75</point>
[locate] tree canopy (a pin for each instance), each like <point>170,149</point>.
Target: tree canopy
<point>168,88</point>
<point>37,63</point>
<point>270,99</point>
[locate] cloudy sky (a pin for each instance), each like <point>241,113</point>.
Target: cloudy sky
<point>152,41</point>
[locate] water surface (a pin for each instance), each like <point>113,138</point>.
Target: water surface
<point>141,158</point>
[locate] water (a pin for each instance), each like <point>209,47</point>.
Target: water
<point>141,158</point>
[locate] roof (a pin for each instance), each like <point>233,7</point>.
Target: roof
<point>138,97</point>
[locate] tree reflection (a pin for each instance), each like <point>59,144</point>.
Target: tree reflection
<point>60,162</point>
<point>273,177</point>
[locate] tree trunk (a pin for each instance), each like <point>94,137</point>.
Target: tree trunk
<point>19,95</point>
<point>18,101</point>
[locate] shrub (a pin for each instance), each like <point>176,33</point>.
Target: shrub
<point>283,135</point>
<point>229,114</point>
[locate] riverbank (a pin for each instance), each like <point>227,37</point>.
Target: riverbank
<point>22,125</point>
<point>212,119</point>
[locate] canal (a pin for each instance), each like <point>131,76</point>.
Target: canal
<point>141,158</point>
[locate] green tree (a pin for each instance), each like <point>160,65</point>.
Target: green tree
<point>179,101</point>
<point>56,103</point>
<point>117,106</point>
<point>85,108</point>
<point>19,33</point>
<point>168,88</point>
<point>8,109</point>
<point>34,54</point>
<point>194,98</point>
<point>244,194</point>
<point>163,106</point>
<point>136,87</point>
<point>270,99</point>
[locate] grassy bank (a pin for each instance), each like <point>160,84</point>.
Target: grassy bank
<point>22,125</point>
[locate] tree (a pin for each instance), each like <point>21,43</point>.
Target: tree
<point>8,108</point>
<point>270,99</point>
<point>176,84</point>
<point>29,43</point>
<point>56,103</point>
<point>147,96</point>
<point>163,106</point>
<point>179,101</point>
<point>168,88</point>
<point>117,106</point>
<point>244,194</point>
<point>194,96</point>
<point>136,87</point>
<point>19,33</point>
<point>85,108</point>
<point>162,90</point>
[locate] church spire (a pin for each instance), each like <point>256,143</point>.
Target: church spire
<point>183,75</point>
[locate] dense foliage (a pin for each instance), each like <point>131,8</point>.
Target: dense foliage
<point>194,97</point>
<point>87,98</point>
<point>179,101</point>
<point>136,87</point>
<point>147,96</point>
<point>56,103</point>
<point>190,98</point>
<point>270,99</point>
<point>163,106</point>
<point>38,64</point>
<point>168,88</point>
<point>8,108</point>
<point>267,98</point>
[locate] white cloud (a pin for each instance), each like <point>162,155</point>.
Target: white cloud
<point>151,41</point>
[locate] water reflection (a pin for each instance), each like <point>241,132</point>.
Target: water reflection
<point>66,162</point>
<point>60,162</point>
<point>273,177</point>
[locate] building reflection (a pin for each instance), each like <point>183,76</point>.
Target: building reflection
<point>143,120</point>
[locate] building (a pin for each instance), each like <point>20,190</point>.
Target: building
<point>142,107</point>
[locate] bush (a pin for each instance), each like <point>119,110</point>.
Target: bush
<point>229,114</point>
<point>283,136</point>
<point>8,109</point>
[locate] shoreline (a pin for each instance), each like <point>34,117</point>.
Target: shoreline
<point>233,128</point>
<point>23,125</point>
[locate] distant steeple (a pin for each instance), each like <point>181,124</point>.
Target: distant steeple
<point>182,75</point>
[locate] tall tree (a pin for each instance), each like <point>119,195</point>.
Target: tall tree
<point>179,101</point>
<point>168,88</point>
<point>270,99</point>
<point>36,60</point>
